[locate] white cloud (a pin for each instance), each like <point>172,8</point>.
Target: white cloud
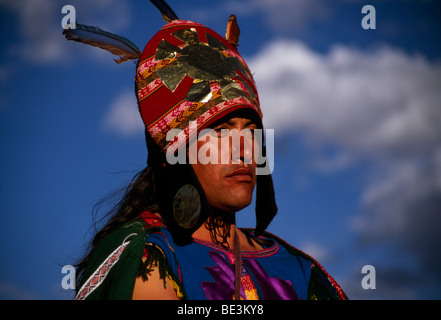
<point>379,107</point>
<point>382,101</point>
<point>123,116</point>
<point>318,252</point>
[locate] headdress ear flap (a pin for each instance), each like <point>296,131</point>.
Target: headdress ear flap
<point>266,207</point>
<point>182,201</point>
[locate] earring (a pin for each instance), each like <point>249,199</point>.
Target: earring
<point>187,206</point>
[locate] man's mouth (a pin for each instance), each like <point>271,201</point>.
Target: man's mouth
<point>243,174</point>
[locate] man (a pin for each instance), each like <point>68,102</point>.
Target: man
<point>173,235</point>
<point>228,188</point>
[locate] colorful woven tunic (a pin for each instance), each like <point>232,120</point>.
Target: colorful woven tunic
<point>202,270</point>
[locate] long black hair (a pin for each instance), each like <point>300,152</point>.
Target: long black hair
<point>140,195</point>
<point>143,194</point>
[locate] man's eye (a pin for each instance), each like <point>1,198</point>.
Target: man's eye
<point>249,133</point>
<point>222,132</point>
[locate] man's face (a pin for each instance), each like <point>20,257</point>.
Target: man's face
<point>229,177</point>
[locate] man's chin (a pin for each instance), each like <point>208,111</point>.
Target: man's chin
<point>240,205</point>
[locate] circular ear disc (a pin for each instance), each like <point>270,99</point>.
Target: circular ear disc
<point>187,206</point>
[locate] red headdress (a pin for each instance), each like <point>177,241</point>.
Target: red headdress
<point>187,73</point>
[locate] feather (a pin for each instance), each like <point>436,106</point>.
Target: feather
<point>233,32</point>
<point>167,13</point>
<point>94,36</point>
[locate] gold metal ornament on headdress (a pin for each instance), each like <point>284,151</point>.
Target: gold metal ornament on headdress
<point>203,63</point>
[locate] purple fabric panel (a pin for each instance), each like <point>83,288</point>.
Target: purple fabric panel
<point>223,273</point>
<point>271,288</point>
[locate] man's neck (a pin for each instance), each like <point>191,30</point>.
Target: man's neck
<point>203,233</point>
<point>225,225</point>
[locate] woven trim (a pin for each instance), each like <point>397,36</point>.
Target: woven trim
<point>185,134</point>
<point>266,252</point>
<point>98,277</point>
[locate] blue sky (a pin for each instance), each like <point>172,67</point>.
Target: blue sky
<point>356,113</point>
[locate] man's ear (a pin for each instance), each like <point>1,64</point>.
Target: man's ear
<point>182,201</point>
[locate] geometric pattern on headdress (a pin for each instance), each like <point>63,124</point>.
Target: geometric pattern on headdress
<point>189,73</point>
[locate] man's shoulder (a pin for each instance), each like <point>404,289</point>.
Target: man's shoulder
<point>142,225</point>
<point>272,237</point>
<point>322,284</point>
<point>121,249</point>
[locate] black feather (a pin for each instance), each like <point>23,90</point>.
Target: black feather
<point>167,13</point>
<point>111,42</point>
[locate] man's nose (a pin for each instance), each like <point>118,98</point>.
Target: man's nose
<point>241,146</point>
